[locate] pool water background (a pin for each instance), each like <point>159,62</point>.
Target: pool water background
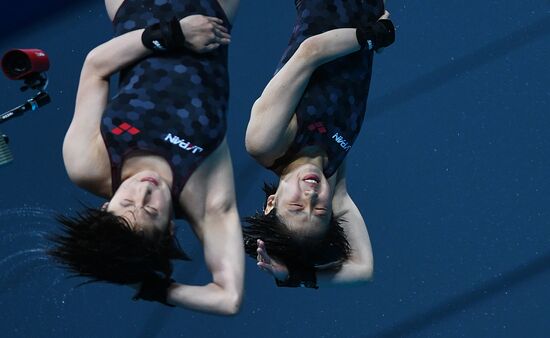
<point>450,172</point>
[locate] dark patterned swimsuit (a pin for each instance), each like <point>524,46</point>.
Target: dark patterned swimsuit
<point>332,108</point>
<point>172,105</point>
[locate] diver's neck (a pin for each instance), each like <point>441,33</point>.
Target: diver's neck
<point>310,156</point>
<point>136,164</point>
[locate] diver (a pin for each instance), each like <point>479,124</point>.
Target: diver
<point>310,232</point>
<point>156,151</point>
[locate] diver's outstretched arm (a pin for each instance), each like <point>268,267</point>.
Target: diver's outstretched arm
<point>209,202</point>
<point>269,130</point>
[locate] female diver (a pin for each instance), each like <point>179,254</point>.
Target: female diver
<point>156,150</point>
<point>310,231</point>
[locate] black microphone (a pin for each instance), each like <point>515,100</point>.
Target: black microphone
<point>41,99</point>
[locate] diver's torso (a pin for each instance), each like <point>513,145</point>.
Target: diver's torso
<point>171,105</point>
<point>332,109</point>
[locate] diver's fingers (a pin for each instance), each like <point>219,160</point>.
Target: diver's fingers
<point>216,20</point>
<point>215,41</point>
<point>263,251</point>
<point>221,34</point>
<point>260,244</point>
<point>223,41</point>
<point>259,256</point>
<point>264,257</point>
<point>265,267</point>
<point>220,28</point>
<point>210,47</point>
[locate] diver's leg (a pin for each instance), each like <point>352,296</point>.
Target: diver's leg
<point>273,111</point>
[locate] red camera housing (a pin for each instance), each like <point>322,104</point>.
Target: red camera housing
<point>20,63</point>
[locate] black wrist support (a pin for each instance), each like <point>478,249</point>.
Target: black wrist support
<point>299,277</point>
<point>154,289</point>
<point>165,36</point>
<point>376,35</point>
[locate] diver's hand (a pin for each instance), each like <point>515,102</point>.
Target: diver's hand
<point>204,33</point>
<point>269,265</point>
<point>385,16</point>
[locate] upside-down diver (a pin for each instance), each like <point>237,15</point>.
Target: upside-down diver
<point>156,151</point>
<point>310,231</point>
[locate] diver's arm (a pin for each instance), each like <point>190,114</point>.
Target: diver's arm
<point>84,154</point>
<point>230,7</point>
<point>359,266</point>
<point>270,131</point>
<point>202,34</point>
<point>83,149</point>
<point>224,257</point>
<point>212,210</point>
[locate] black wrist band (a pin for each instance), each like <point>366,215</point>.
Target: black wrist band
<point>154,289</point>
<point>376,35</point>
<point>164,36</point>
<point>299,277</point>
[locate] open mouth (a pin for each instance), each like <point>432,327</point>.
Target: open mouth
<point>311,179</point>
<point>151,180</point>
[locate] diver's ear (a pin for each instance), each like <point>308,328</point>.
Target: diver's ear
<point>105,206</point>
<point>270,204</point>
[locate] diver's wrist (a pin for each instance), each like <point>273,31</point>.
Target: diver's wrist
<point>164,36</point>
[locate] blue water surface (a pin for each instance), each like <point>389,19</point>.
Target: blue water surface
<point>450,172</point>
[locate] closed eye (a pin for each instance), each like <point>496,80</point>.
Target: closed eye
<point>153,212</point>
<point>126,203</point>
<point>149,210</point>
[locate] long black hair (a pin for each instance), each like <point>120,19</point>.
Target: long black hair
<point>100,246</point>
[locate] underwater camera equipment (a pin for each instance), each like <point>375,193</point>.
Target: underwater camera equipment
<point>29,65</point>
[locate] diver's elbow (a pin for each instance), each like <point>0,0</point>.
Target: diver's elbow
<point>252,145</point>
<point>365,273</point>
<point>368,274</point>
<point>232,304</point>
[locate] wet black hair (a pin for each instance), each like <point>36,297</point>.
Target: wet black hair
<point>100,246</point>
<point>299,251</point>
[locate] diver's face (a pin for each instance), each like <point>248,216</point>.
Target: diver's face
<point>144,200</point>
<point>303,200</point>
